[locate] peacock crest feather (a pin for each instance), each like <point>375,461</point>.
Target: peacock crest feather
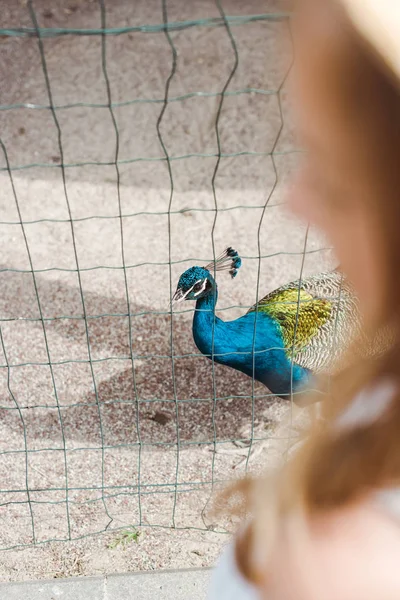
<point>229,260</point>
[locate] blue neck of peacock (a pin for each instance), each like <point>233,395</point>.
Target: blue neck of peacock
<point>205,306</point>
<point>203,320</point>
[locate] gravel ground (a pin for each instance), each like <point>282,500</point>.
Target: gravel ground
<point>86,423</point>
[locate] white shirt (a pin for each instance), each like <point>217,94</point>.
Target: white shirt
<point>227,583</point>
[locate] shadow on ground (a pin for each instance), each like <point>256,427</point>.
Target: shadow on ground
<point>109,404</point>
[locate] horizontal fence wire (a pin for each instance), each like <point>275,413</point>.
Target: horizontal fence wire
<point>159,475</point>
<point>158,263</point>
<point>129,161</point>
<point>140,100</point>
<point>49,32</point>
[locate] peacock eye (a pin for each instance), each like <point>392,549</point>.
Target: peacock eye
<point>199,287</point>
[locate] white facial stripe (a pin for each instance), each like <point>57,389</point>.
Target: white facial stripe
<point>203,287</point>
<point>190,289</point>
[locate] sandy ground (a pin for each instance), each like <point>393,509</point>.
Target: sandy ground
<point>133,446</point>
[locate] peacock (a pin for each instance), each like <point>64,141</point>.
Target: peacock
<point>293,332</point>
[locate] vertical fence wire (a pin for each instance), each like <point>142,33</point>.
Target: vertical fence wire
<point>174,58</point>
<point>259,257</point>
<point>293,342</point>
<point>214,193</point>
<point>122,239</point>
<point>78,271</point>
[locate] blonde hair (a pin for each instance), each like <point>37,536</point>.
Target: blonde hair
<point>335,467</point>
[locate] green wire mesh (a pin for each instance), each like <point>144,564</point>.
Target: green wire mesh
<point>140,501</point>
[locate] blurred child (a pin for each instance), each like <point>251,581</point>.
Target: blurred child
<point>327,527</point>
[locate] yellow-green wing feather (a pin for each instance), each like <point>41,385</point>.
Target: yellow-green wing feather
<point>298,313</point>
<point>319,314</point>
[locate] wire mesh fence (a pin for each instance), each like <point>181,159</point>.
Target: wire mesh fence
<point>135,148</point>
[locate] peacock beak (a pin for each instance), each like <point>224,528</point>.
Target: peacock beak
<point>177,297</point>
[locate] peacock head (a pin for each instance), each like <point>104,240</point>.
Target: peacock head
<point>198,282</point>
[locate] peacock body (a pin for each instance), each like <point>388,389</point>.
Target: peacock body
<point>294,331</point>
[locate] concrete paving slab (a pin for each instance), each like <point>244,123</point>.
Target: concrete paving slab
<point>88,588</point>
<point>181,585</point>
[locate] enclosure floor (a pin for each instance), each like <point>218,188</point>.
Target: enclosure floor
<point>157,548</point>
